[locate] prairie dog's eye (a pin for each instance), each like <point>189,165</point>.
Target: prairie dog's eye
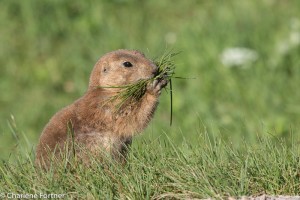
<point>127,64</point>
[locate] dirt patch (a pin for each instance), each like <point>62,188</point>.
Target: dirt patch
<point>266,197</point>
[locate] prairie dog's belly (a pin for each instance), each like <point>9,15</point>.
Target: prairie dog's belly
<point>95,141</point>
<point>103,141</point>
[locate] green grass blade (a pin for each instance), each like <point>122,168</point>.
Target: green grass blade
<point>171,102</point>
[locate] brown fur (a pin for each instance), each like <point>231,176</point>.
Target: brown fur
<point>95,123</point>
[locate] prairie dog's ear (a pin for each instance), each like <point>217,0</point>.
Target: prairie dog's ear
<point>105,68</point>
<point>97,73</point>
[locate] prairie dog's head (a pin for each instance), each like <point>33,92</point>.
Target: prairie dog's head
<point>121,67</point>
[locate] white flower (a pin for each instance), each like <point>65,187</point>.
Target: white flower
<point>285,46</point>
<point>295,24</point>
<point>292,40</point>
<point>238,56</point>
<point>295,38</point>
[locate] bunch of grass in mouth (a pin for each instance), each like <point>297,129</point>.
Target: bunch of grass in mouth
<point>134,92</point>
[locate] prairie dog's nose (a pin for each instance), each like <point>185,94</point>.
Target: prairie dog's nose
<point>155,71</point>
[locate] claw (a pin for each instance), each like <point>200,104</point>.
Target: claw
<point>155,83</point>
<point>156,86</point>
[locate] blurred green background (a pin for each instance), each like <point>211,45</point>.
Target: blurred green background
<point>48,49</point>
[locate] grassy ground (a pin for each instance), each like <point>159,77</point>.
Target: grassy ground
<point>161,170</point>
<point>48,49</point>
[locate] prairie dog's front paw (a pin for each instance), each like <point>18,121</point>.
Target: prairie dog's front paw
<point>156,86</point>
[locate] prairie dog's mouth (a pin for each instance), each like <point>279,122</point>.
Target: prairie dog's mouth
<point>149,78</point>
<point>157,76</point>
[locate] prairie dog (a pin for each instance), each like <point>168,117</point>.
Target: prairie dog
<point>95,124</point>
